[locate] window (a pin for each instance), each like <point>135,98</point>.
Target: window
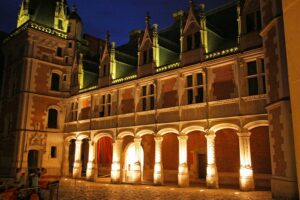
<point>253,21</point>
<point>52,118</point>
<point>59,52</point>
<point>193,41</point>
<point>105,70</point>
<point>69,29</point>
<point>194,88</point>
<point>147,56</point>
<point>55,79</point>
<point>60,24</point>
<point>74,112</point>
<point>256,77</point>
<point>105,105</point>
<point>70,45</point>
<point>53,152</point>
<point>148,97</point>
<point>66,60</point>
<point>65,77</point>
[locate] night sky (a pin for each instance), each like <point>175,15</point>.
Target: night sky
<point>118,17</point>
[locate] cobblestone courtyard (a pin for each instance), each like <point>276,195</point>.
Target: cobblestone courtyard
<point>69,189</point>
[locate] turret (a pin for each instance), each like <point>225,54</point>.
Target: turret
<point>75,25</point>
<point>24,15</point>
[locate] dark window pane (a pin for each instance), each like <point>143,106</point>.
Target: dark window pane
<point>101,114</point>
<point>108,98</point>
<point>144,90</point>
<point>189,41</point>
<point>199,97</point>
<point>53,152</point>
<point>70,45</point>
<point>199,79</point>
<point>189,81</point>
<point>251,66</point>
<point>250,22</point>
<point>151,89</point>
<point>152,103</point>
<point>144,57</point>
<point>52,118</point>
<point>60,24</point>
<point>55,82</point>
<point>264,84</point>
<point>197,40</point>
<point>144,104</point>
<point>253,86</point>
<point>69,29</point>
<point>59,51</point>
<point>103,99</point>
<point>108,110</point>
<point>258,20</point>
<point>190,96</point>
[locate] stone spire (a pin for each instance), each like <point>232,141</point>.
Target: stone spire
<point>24,15</point>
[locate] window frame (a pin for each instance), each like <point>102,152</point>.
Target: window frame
<point>105,105</point>
<point>190,91</point>
<point>148,97</point>
<point>260,76</point>
<point>49,125</point>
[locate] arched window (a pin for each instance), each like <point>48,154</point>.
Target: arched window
<point>55,79</point>
<point>52,118</point>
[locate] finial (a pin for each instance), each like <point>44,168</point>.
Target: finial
<point>107,36</point>
<point>202,7</point>
<point>191,3</point>
<point>74,8</point>
<point>147,18</point>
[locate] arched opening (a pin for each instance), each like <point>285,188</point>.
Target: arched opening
<point>126,141</point>
<point>227,156</point>
<point>84,156</point>
<point>170,157</point>
<point>197,156</point>
<point>148,145</point>
<point>52,118</point>
<point>104,156</point>
<point>55,79</point>
<point>33,161</point>
<point>71,155</point>
<point>260,157</point>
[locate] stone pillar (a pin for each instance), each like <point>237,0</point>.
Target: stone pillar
<point>212,178</point>
<point>116,167</point>
<point>183,171</point>
<point>137,168</point>
<point>77,163</point>
<point>66,159</point>
<point>91,173</point>
<point>246,172</point>
<point>158,177</point>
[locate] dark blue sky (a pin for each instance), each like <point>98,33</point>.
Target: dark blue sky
<point>119,17</point>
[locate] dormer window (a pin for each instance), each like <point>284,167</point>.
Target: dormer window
<point>60,24</point>
<point>193,41</point>
<point>253,21</point>
<point>147,56</point>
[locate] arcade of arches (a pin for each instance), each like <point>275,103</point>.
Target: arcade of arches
<point>220,156</point>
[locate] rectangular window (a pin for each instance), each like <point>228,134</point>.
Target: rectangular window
<point>53,152</point>
<point>70,45</point>
<point>105,105</point>
<point>74,108</point>
<point>59,52</point>
<point>194,88</point>
<point>148,97</point>
<point>256,77</point>
<point>60,24</point>
<point>189,42</point>
<point>197,40</point>
<point>250,22</point>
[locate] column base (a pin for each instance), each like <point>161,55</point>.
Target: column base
<point>212,178</point>
<point>284,188</point>
<point>183,175</point>
<point>158,174</point>
<point>91,172</point>
<point>115,173</point>
<point>246,179</point>
<point>77,169</point>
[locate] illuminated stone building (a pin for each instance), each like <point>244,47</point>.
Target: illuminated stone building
<point>197,102</point>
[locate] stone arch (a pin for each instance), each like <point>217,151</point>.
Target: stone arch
<point>124,134</point>
<point>167,130</point>
<point>69,138</point>
<point>221,126</point>
<point>143,132</point>
<point>101,135</point>
<point>190,129</point>
<point>83,136</point>
<point>255,124</point>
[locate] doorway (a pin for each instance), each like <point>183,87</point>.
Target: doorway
<point>33,161</point>
<point>202,166</point>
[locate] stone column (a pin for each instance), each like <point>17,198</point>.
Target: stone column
<point>77,163</point>
<point>137,168</point>
<point>91,173</point>
<point>158,177</point>
<point>246,172</point>
<point>183,171</point>
<point>66,158</point>
<point>116,167</point>
<point>212,178</point>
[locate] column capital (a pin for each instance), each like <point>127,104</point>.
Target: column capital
<point>244,133</point>
<point>210,136</point>
<point>182,137</point>
<point>158,138</point>
<point>67,142</point>
<point>137,140</point>
<point>78,142</point>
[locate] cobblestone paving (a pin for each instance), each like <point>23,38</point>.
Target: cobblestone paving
<point>82,190</point>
